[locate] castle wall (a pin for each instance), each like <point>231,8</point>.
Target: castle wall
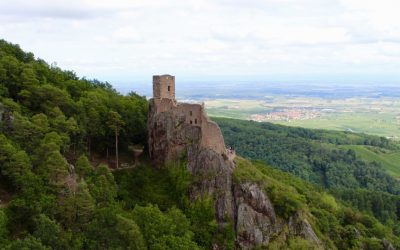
<point>195,115</point>
<point>192,112</point>
<point>164,104</point>
<point>164,86</point>
<point>212,136</point>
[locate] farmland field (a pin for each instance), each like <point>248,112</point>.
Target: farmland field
<point>390,160</point>
<point>377,116</point>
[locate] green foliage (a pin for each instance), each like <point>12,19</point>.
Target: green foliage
<point>313,155</point>
<point>169,188</point>
<point>160,230</point>
<point>3,227</point>
<point>286,199</point>
<point>175,243</point>
<point>180,180</point>
<point>50,233</point>
<point>202,215</point>
<point>83,167</point>
<point>115,121</point>
<point>111,230</point>
<point>78,207</point>
<point>79,110</point>
<point>336,225</point>
<point>102,186</point>
<point>14,164</point>
<point>51,120</point>
<point>130,232</point>
<point>165,187</point>
<point>298,243</point>
<point>382,205</point>
<point>28,243</point>
<point>54,168</point>
<point>325,158</point>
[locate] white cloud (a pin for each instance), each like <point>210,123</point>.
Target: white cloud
<point>131,38</point>
<point>127,34</point>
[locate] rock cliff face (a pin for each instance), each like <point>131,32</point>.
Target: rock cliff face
<point>256,221</point>
<point>245,204</point>
<point>170,138</point>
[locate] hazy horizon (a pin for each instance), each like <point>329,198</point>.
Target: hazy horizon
<point>324,41</point>
<point>255,89</point>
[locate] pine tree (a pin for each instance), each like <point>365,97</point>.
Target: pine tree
<point>115,123</point>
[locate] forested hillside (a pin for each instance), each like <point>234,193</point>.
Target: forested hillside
<point>325,158</point>
<point>55,128</point>
<point>53,195</point>
<point>336,225</point>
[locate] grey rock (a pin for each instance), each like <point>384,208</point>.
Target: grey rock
<point>299,226</point>
<point>387,245</point>
<point>255,216</point>
<point>170,138</point>
<point>244,204</point>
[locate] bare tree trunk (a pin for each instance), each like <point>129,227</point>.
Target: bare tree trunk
<point>89,144</point>
<point>116,147</point>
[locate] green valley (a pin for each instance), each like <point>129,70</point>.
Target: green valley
<point>61,186</point>
<point>389,159</point>
<point>371,115</point>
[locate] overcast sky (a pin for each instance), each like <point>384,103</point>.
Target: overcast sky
<point>293,40</point>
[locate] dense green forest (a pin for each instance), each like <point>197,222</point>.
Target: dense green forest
<point>57,128</point>
<point>338,226</point>
<point>321,157</point>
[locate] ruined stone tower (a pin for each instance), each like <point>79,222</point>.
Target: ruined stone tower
<point>206,133</point>
<point>182,133</point>
<point>164,86</point>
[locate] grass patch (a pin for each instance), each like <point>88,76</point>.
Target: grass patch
<point>390,160</point>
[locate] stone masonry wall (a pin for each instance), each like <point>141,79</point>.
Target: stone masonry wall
<point>192,112</point>
<point>194,115</point>
<point>164,105</point>
<point>211,136</point>
<point>164,86</point>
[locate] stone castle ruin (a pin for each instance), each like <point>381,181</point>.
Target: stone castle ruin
<point>193,114</point>
<point>182,133</point>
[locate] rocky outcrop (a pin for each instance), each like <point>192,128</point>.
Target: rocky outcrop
<point>172,139</point>
<point>169,136</point>
<point>299,226</point>
<point>387,245</point>
<point>256,220</point>
<point>213,174</point>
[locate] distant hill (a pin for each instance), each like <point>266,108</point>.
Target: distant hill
<point>328,158</point>
<point>388,159</point>
<point>55,194</point>
<point>340,161</point>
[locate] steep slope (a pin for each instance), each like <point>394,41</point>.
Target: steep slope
<point>352,166</point>
<point>262,210</point>
<point>52,121</point>
<point>388,159</point>
<point>311,214</point>
<point>172,141</point>
<point>323,157</point>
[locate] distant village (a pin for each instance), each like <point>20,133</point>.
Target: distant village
<point>287,115</point>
